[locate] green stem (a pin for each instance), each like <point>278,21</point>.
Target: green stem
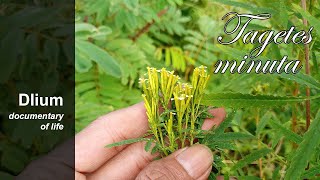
<point>161,137</point>
<point>186,127</point>
<point>192,126</point>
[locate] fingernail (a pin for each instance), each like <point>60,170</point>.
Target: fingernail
<point>196,160</point>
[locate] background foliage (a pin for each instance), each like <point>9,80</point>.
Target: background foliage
<point>117,39</point>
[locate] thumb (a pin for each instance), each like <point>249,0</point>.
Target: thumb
<point>193,162</point>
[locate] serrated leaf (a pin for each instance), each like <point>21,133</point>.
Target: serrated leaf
<point>238,100</point>
<point>225,124</point>
<point>125,142</point>
<point>305,150</point>
<point>285,132</point>
<point>250,158</point>
<point>221,145</point>
<point>301,78</point>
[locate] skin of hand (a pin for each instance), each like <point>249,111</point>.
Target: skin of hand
<point>132,161</point>
<point>93,161</point>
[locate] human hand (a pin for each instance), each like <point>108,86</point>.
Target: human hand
<point>94,161</point>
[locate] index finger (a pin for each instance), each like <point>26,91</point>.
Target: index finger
<point>90,151</point>
<point>219,115</point>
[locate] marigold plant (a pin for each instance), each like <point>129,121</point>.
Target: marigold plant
<point>173,109</point>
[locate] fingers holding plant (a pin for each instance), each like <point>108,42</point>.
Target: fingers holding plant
<point>133,158</point>
<point>176,121</point>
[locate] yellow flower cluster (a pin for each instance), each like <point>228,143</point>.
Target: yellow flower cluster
<point>172,107</point>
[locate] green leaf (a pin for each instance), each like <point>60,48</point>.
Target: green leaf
<point>103,11</point>
<point>311,19</point>
<point>312,172</point>
<point>230,136</point>
<point>285,132</point>
<point>101,57</point>
<point>84,27</point>
<point>225,124</point>
<point>101,33</point>
<point>248,6</point>
<point>275,138</point>
<point>125,142</point>
<point>82,62</point>
<point>315,63</point>
<point>148,145</point>
<point>167,57</point>
<point>250,158</point>
<point>305,150</point>
<point>248,178</point>
<point>238,100</point>
<point>301,78</point>
<point>283,13</point>
<point>275,174</point>
<point>212,176</point>
<point>221,145</point>
<point>218,162</point>
<point>265,118</point>
<point>154,149</point>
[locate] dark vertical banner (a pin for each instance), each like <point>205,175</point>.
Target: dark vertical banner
<point>37,89</point>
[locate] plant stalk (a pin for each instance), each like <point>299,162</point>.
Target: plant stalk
<point>306,56</point>
<point>147,26</point>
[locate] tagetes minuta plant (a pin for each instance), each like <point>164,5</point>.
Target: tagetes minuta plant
<point>173,109</point>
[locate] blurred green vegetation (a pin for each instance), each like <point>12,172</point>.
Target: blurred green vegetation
<point>117,39</point>
<point>37,56</point>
